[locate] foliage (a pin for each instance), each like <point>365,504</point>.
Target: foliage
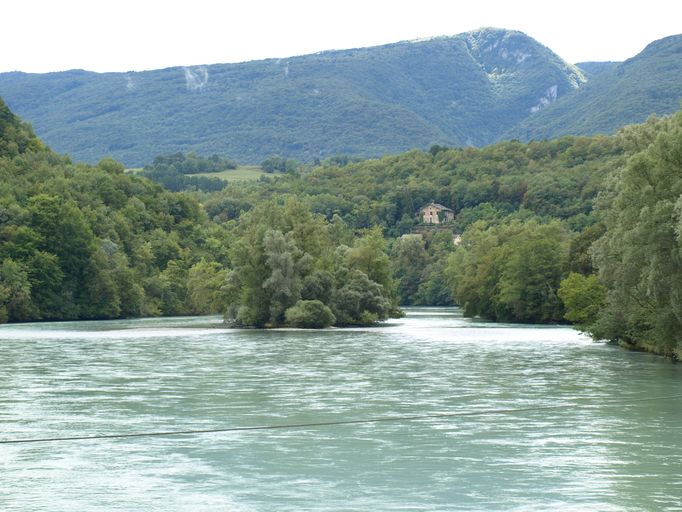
<point>511,272</point>
<point>309,314</point>
<point>191,163</point>
<point>208,287</point>
<point>285,255</point>
<point>558,178</point>
<point>540,180</point>
<point>174,172</point>
<point>640,255</point>
<point>279,164</point>
<point>15,292</point>
<point>410,262</point>
<point>80,241</point>
<point>15,136</point>
<point>419,262</point>
<point>359,300</point>
<point>583,297</point>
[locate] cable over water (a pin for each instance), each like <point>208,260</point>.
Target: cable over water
<point>320,424</point>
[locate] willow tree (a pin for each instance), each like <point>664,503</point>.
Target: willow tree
<point>640,256</point>
<point>289,270</point>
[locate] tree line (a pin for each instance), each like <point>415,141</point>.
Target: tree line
<point>577,229</point>
<point>93,242</point>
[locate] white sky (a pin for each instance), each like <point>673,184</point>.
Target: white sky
<point>127,35</point>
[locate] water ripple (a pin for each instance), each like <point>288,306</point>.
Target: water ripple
<point>176,374</point>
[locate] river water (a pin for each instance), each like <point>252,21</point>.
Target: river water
<point>575,427</point>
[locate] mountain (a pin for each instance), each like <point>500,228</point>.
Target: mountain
<point>16,137</point>
<point>468,89</point>
<point>618,94</point>
<point>592,69</point>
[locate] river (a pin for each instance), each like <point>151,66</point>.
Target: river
<point>512,417</point>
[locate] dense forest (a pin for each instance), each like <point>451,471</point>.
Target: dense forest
<point>79,241</point>
<point>579,229</point>
<point>638,297</point>
<point>86,242</point>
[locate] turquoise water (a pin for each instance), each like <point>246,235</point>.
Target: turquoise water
<point>601,450</point>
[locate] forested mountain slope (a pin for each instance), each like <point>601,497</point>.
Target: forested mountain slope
<point>616,94</point>
<point>463,90</point>
<point>80,241</point>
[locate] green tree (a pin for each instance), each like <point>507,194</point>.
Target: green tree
<point>409,262</point>
<point>309,314</point>
<point>45,277</point>
<point>15,292</point>
<point>531,268</point>
<point>434,287</point>
<point>583,298</point>
<point>639,257</point>
<point>369,256</point>
<point>102,299</point>
<point>208,288</point>
<point>286,263</point>
<point>318,286</point>
<point>473,271</point>
<point>360,301</point>
<point>510,272</point>
<point>64,232</point>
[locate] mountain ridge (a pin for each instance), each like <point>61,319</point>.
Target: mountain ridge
<point>472,89</point>
<point>622,93</point>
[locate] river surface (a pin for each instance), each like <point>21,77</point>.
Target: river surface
<point>575,427</point>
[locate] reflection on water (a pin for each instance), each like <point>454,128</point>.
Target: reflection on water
<point>87,378</point>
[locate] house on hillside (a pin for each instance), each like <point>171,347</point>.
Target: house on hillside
<point>434,213</point>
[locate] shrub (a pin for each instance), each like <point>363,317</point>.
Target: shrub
<point>309,314</point>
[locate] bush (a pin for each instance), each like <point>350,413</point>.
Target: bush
<point>583,298</point>
<point>309,314</point>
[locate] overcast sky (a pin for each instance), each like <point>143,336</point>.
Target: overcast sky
<point>134,35</point>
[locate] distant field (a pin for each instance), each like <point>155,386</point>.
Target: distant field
<point>241,173</point>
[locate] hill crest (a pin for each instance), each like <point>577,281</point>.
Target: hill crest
<point>469,89</point>
<point>619,93</point>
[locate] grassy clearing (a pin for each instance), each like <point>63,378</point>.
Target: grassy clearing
<point>241,173</point>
